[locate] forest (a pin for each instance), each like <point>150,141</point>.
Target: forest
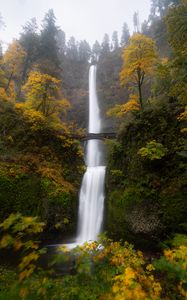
<point>141,253</point>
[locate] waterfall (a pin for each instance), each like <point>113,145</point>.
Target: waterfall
<point>91,199</point>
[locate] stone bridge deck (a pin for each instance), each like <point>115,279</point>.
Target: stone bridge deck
<point>95,136</point>
<point>99,136</point>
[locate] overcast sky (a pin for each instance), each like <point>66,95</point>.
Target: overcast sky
<point>83,19</point>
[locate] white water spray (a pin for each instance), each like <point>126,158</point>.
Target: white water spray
<point>91,201</point>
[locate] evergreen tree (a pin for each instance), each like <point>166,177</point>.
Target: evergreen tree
<point>84,51</point>
<point>72,49</point>
<point>29,38</point>
<point>157,27</point>
<point>115,41</point>
<point>49,59</point>
<point>1,52</point>
<point>145,28</point>
<point>176,21</point>
<point>136,22</point>
<point>96,50</point>
<point>159,7</point>
<point>2,24</point>
<point>30,42</point>
<point>61,42</point>
<point>105,46</point>
<point>125,35</point>
<point>14,60</point>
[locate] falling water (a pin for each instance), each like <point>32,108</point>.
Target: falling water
<point>91,201</point>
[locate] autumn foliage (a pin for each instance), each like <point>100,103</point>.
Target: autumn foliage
<point>120,110</point>
<point>44,95</point>
<point>139,58</point>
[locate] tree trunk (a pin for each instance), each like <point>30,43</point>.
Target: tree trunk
<point>140,94</point>
<point>23,77</point>
<point>9,81</point>
<point>140,82</point>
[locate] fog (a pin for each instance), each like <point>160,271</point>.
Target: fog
<point>83,19</point>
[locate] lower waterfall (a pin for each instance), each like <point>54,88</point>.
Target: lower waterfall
<point>91,204</point>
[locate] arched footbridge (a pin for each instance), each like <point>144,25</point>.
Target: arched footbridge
<point>94,136</point>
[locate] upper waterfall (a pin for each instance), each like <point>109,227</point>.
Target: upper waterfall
<point>94,112</point>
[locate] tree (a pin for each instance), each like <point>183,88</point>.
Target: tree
<point>145,27</point>
<point>136,22</point>
<point>96,50</point>
<point>176,21</point>
<point>138,62</point>
<point>162,79</point>
<point>7,90</point>
<point>84,51</point>
<point>14,63</point>
<point>115,42</point>
<point>125,35</point>
<point>72,49</point>
<point>1,51</point>
<point>49,59</point>
<point>29,40</point>
<point>159,7</point>
<point>61,43</point>
<point>2,24</point>
<point>119,111</point>
<point>5,94</point>
<point>42,94</point>
<point>105,46</point>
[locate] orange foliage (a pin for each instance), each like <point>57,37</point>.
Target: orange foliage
<point>120,110</point>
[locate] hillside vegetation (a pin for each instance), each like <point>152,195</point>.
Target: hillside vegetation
<point>142,87</point>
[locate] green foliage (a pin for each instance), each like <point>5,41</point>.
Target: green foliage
<point>162,81</point>
<point>36,174</point>
<point>134,211</point>
<point>178,240</point>
<point>176,20</point>
<point>172,269</point>
<point>15,233</point>
<point>146,177</point>
<point>117,272</point>
<point>116,176</point>
<point>111,271</point>
<point>161,6</point>
<point>147,200</point>
<point>49,61</point>
<point>18,232</point>
<point>173,205</point>
<point>21,192</point>
<point>153,150</point>
<point>7,279</point>
<point>108,85</point>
